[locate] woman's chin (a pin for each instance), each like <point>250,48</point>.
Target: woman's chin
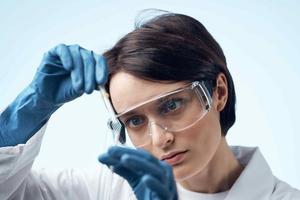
<point>184,172</point>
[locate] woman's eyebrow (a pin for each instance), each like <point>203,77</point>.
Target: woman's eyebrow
<point>170,96</point>
<point>128,114</point>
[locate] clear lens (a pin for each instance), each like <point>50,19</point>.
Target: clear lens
<point>172,112</point>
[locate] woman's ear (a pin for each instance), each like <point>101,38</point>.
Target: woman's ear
<point>220,93</point>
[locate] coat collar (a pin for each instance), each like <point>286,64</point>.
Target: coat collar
<point>256,181</point>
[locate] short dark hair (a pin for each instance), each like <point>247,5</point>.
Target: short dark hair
<point>173,47</point>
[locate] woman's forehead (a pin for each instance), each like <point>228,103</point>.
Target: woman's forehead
<point>127,90</point>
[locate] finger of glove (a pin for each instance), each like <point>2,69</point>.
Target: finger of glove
<point>117,152</point>
<point>157,187</point>
<point>168,169</point>
<point>142,166</point>
<point>77,71</point>
<point>114,163</point>
<point>62,52</point>
<point>170,176</point>
<point>89,70</point>
<point>101,69</point>
<point>108,160</point>
<point>131,176</point>
<point>118,167</point>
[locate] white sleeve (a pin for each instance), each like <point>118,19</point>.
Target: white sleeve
<point>19,181</point>
<point>15,164</point>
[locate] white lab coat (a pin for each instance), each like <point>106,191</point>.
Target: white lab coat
<point>19,181</point>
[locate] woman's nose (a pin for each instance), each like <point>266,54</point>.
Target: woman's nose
<point>160,135</point>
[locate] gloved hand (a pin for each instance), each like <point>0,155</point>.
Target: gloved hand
<point>65,73</point>
<point>150,178</point>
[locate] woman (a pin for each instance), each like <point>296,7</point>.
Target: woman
<point>171,91</point>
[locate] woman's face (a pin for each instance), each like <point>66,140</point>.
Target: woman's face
<point>196,145</point>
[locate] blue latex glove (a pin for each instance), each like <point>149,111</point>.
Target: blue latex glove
<point>65,73</point>
<point>150,178</point>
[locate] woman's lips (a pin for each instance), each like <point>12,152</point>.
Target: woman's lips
<point>175,158</point>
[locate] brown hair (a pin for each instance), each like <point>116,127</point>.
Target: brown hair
<point>173,47</point>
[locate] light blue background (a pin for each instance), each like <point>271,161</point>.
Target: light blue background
<point>260,40</point>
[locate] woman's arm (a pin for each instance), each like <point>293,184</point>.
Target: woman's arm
<point>65,73</point>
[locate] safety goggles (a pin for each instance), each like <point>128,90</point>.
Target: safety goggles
<point>174,112</point>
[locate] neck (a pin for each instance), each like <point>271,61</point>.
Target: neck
<point>219,175</point>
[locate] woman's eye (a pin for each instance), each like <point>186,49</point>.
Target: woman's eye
<point>171,106</point>
<point>135,121</point>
